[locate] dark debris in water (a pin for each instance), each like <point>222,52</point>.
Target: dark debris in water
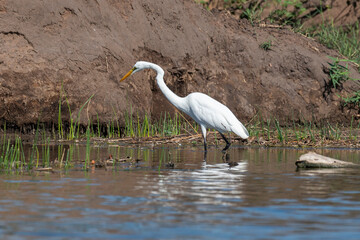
<point>170,165</point>
<point>233,164</point>
<point>226,159</point>
<point>112,162</point>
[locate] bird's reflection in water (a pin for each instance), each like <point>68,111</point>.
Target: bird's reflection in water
<point>217,183</point>
<point>225,159</point>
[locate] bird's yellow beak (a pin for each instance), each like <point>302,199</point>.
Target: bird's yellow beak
<point>128,74</point>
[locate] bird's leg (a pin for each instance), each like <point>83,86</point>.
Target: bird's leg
<point>227,143</point>
<point>205,146</point>
<point>205,152</point>
<point>203,130</point>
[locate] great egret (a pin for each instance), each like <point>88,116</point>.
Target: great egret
<point>206,111</point>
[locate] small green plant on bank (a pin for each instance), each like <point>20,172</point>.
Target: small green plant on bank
<point>252,13</point>
<point>281,15</point>
<point>338,73</point>
<point>353,100</point>
<point>266,45</point>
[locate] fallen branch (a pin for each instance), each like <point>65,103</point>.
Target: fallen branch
<point>314,160</point>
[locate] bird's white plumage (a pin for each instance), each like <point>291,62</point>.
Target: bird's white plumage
<point>205,110</point>
<point>212,114</point>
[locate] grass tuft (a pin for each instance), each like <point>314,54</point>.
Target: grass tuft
<point>266,45</point>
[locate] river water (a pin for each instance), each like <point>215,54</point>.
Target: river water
<point>263,197</point>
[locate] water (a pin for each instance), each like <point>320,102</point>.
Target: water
<point>264,197</point>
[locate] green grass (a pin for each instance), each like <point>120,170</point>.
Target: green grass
<point>279,131</point>
<point>88,149</point>
<point>266,45</point>
<point>354,99</point>
<point>165,126</point>
<point>346,39</point>
<point>251,13</point>
<point>338,73</point>
<point>283,16</point>
<point>12,155</point>
<point>74,124</point>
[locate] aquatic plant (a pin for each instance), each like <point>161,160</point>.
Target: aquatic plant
<point>74,124</point>
<point>11,156</point>
<point>88,149</point>
<point>279,131</point>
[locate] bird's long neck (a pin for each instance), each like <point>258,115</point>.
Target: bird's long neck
<point>177,101</point>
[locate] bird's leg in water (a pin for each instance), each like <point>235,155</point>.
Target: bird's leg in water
<point>227,143</point>
<point>205,152</point>
<point>205,149</point>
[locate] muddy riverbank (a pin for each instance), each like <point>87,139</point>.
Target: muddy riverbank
<point>61,54</point>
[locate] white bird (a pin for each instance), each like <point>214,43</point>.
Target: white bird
<point>206,111</point>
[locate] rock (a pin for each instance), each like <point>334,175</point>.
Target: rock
<point>67,51</point>
<point>314,160</point>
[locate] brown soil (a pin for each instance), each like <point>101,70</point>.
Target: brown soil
<point>87,46</point>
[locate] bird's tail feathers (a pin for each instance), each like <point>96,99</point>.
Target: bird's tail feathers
<point>240,130</point>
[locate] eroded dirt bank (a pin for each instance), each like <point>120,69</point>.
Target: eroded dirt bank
<point>85,47</point>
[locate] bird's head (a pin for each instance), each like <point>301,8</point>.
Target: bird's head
<point>140,65</point>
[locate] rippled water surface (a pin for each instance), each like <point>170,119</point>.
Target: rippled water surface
<point>264,197</point>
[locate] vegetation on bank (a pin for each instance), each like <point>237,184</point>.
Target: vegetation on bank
<point>15,155</point>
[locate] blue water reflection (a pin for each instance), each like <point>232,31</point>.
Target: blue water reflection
<point>260,198</point>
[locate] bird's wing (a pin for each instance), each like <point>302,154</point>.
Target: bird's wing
<point>213,114</point>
